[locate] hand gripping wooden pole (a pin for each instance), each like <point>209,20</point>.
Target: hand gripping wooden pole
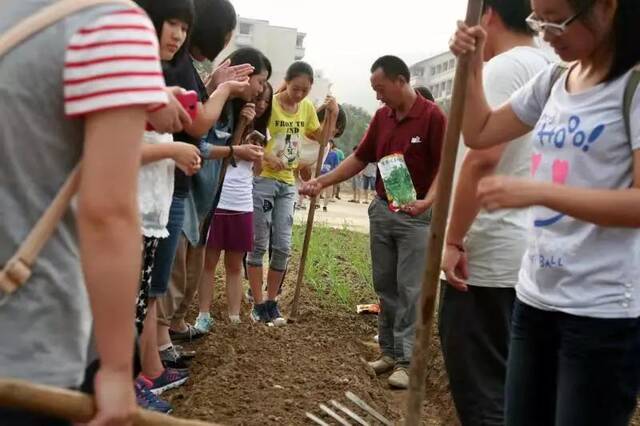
<point>74,406</point>
<point>420,357</point>
<point>327,132</point>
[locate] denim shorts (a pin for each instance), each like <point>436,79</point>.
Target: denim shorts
<point>166,251</point>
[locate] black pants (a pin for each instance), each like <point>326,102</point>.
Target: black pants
<point>475,330</point>
<point>566,370</point>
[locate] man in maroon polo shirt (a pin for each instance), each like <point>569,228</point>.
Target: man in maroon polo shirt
<point>413,126</point>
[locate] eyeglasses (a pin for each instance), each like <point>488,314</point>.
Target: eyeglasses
<point>553,28</point>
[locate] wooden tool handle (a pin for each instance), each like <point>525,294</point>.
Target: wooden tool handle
<point>71,405</point>
<point>431,279</point>
<point>330,121</point>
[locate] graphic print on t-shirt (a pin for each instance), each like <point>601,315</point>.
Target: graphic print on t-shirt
<point>557,149</point>
<point>287,142</point>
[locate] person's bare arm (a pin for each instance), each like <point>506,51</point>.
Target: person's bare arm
<point>603,207</point>
<point>476,165</point>
<point>482,127</point>
<point>347,169</point>
<point>209,112</point>
<point>110,246</point>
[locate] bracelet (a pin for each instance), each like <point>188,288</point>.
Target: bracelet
<point>460,247</point>
<point>230,157</point>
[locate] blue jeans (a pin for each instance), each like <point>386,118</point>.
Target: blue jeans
<point>566,370</point>
<point>166,251</point>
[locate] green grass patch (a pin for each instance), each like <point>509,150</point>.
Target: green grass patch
<point>338,265</point>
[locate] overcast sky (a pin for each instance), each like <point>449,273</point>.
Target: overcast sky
<point>344,37</point>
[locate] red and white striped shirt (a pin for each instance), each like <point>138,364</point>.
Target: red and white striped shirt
<point>113,62</point>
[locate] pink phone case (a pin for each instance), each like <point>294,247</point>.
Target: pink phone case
<point>189,100</point>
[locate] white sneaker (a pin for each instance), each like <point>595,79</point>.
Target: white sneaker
<point>399,379</point>
<point>235,319</point>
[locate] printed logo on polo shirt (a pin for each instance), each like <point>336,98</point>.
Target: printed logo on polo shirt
<point>416,139</point>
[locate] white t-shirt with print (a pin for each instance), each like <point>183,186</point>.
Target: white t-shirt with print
<point>496,241</point>
<point>237,189</point>
<point>580,140</point>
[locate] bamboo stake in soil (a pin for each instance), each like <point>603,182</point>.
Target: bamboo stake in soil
<point>327,132</point>
<point>74,406</point>
<point>420,357</point>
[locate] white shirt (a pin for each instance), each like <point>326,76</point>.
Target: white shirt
<point>237,190</point>
<point>580,140</point>
<point>496,241</point>
<point>155,190</point>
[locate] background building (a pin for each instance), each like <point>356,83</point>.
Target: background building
<point>282,45</point>
<point>436,73</point>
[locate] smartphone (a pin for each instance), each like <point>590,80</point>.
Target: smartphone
<point>256,138</point>
<point>189,101</point>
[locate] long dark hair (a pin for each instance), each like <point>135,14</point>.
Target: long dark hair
<point>215,20</point>
<point>160,11</point>
<point>253,57</point>
<point>626,48</point>
<point>262,122</point>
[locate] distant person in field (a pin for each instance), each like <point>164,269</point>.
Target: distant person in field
<point>425,93</point>
<point>411,125</point>
<point>356,184</point>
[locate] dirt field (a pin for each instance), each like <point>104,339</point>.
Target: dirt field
<point>254,375</point>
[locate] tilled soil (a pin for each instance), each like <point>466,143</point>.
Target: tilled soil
<point>255,375</point>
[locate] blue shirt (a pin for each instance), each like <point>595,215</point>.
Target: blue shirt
<point>330,163</point>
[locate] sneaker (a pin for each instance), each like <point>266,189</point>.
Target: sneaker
<point>169,379</point>
<point>235,319</point>
<point>274,313</point>
<point>190,334</point>
<point>324,209</point>
<point>376,338</point>
<point>171,358</point>
<point>204,324</point>
<point>399,379</point>
<point>148,400</point>
<point>184,353</point>
<point>259,313</point>
<point>383,364</point>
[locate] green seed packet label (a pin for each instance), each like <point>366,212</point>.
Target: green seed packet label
<point>397,180</point>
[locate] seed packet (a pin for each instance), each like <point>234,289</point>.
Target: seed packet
<point>397,181</point>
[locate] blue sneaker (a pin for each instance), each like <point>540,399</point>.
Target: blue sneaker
<point>147,400</point>
<point>259,313</point>
<point>274,313</point>
<point>204,324</point>
<point>169,379</point>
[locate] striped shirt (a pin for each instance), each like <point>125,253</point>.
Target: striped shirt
<point>113,62</point>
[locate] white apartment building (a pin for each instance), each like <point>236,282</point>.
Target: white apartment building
<point>436,73</point>
<point>282,45</point>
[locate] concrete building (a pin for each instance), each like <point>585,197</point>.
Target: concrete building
<point>282,45</point>
<point>436,73</point>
